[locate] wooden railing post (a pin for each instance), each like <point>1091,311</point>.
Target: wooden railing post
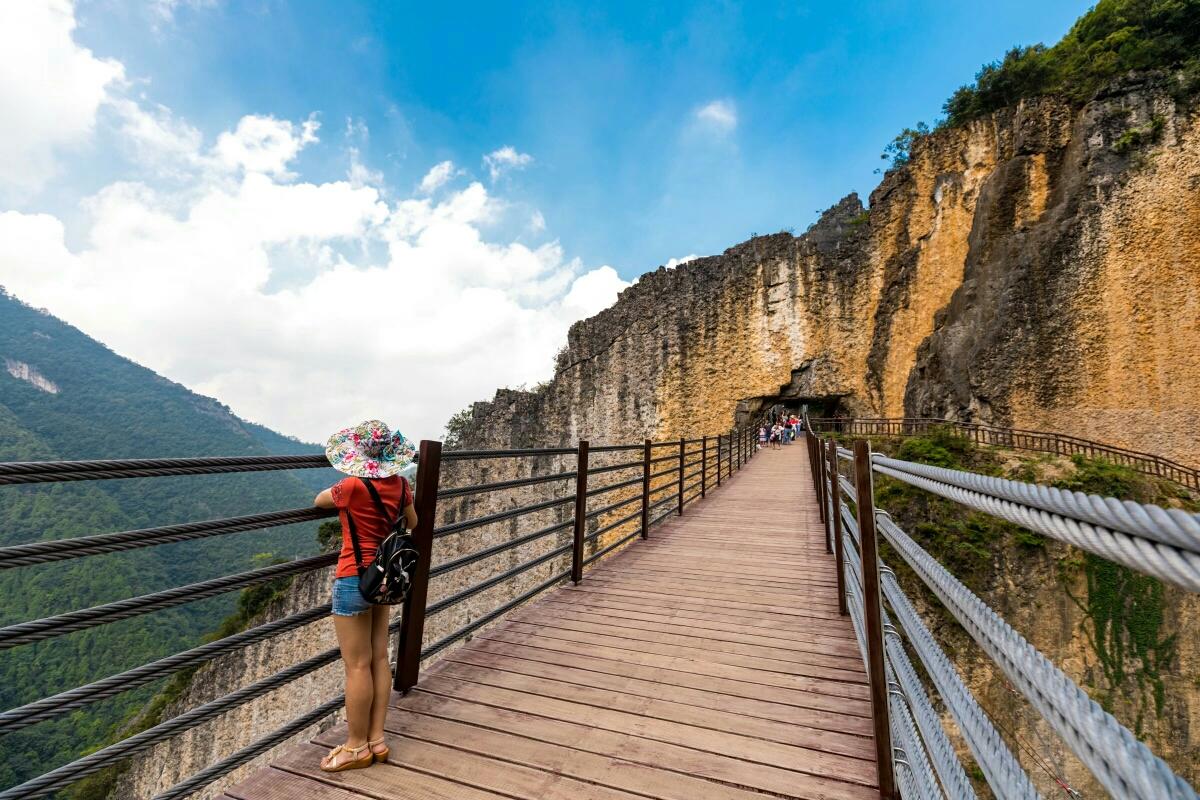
<point>703,466</point>
<point>823,493</point>
<point>682,448</point>
<point>581,476</point>
<point>876,672</point>
<point>646,490</point>
<point>412,621</point>
<point>719,437</point>
<point>835,496</point>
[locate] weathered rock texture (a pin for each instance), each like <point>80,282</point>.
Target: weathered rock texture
<point>1024,270</point>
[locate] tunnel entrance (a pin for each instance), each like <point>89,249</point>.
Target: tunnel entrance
<point>751,409</point>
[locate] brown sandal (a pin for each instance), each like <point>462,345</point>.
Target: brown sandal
<point>379,757</point>
<point>357,762</point>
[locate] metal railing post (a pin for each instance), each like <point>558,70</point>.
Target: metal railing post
<point>876,672</point>
<point>581,475</point>
<point>646,490</point>
<point>738,435</point>
<point>835,496</point>
<point>703,466</point>
<point>412,621</point>
<point>682,448</point>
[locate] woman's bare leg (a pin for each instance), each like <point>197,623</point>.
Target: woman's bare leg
<point>354,639</point>
<point>381,672</point>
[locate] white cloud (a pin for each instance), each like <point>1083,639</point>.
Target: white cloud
<point>50,90</point>
<point>675,262</point>
<point>360,174</point>
<point>437,177</point>
<point>505,159</point>
<point>264,144</point>
<point>719,116</point>
<point>537,222</point>
<point>403,310</point>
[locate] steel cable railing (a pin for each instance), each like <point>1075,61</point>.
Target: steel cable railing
<point>71,621</point>
<point>727,459</point>
<point>1146,538</point>
<point>1162,542</point>
<point>25,555</point>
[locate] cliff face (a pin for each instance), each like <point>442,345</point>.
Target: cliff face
<point>1038,268</point>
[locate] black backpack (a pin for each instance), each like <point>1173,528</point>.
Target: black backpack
<point>388,579</point>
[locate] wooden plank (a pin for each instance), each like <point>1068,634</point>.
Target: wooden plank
<point>672,757</point>
<point>616,638</point>
<point>697,687</point>
<point>392,781</point>
<point>791,732</point>
<point>709,739</point>
<point>479,772</point>
<point>824,651</point>
<point>707,662</point>
<point>604,771</point>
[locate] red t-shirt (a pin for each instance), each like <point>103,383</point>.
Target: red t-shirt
<point>350,494</point>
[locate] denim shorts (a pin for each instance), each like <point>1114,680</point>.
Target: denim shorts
<point>347,599</point>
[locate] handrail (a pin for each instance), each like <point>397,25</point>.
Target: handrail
<point>1160,542</point>
<point>1017,439</point>
<point>720,456</point>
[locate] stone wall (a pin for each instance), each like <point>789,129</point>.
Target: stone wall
<point>1024,270</point>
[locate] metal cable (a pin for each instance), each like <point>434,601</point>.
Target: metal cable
<point>488,552</point>
<point>63,702</point>
<point>922,783</point>
<point>1171,526</point>
<point>1004,774</point>
<point>496,579</point>
<point>1125,766</point>
<point>932,741</point>
<point>61,624</point>
<point>251,751</point>
<point>481,488</point>
<point>24,555</point>
<point>56,471</point>
<point>94,762</point>
<point>1170,562</point>
<point>499,516</point>
<point>607,548</point>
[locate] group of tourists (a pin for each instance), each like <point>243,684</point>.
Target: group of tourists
<point>783,430</point>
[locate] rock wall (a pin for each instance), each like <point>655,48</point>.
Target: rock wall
<point>1034,269</point>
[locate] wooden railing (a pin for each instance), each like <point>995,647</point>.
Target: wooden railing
<point>1015,439</point>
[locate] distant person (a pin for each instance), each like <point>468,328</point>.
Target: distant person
<point>373,456</point>
<point>763,436</point>
<point>776,435</point>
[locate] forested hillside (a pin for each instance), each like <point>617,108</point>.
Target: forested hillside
<point>66,396</point>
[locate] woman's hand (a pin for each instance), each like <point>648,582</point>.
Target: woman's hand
<point>324,499</point>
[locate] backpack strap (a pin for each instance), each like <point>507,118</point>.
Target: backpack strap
<point>354,542</point>
<point>379,503</point>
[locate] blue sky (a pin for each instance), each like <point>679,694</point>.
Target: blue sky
<point>602,96</point>
<point>322,212</point>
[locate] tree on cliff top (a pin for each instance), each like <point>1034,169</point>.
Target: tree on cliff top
<point>1113,38</point>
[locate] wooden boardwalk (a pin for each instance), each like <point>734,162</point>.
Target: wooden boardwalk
<point>707,662</point>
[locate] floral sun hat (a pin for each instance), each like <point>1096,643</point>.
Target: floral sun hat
<point>369,450</point>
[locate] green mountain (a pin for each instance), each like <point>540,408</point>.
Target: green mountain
<point>64,395</point>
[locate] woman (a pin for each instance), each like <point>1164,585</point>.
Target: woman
<point>367,452</point>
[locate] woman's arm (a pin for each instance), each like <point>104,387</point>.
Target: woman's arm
<point>410,516</point>
<point>324,499</point>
